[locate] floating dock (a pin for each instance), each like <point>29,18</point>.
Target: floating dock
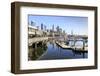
<point>63,45</point>
<point>75,49</point>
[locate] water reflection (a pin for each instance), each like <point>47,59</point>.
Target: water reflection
<point>50,50</point>
<point>35,53</point>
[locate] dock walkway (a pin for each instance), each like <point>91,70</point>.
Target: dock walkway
<point>76,49</point>
<point>63,45</point>
<point>36,39</point>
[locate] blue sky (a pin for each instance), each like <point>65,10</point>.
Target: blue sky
<point>79,25</point>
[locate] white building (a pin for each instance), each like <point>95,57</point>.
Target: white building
<point>33,31</point>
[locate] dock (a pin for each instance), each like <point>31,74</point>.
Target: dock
<point>74,49</point>
<point>63,45</point>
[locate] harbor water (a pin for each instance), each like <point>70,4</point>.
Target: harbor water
<point>50,50</point>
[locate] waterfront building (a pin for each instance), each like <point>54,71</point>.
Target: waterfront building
<point>33,31</point>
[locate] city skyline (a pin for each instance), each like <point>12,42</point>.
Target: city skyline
<point>79,25</point>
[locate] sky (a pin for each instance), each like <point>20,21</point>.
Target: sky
<point>79,25</point>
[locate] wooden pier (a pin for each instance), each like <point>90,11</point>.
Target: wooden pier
<point>75,50</point>
<point>36,40</point>
<point>62,45</point>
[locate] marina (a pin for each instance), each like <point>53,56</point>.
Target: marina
<point>49,42</point>
<point>54,50</point>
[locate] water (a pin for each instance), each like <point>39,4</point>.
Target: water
<point>52,51</point>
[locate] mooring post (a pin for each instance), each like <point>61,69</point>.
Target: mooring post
<point>83,45</point>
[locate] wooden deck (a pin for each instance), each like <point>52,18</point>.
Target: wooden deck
<point>75,49</point>
<point>62,45</point>
<point>36,39</point>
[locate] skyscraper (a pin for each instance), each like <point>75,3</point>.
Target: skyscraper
<point>52,27</point>
<point>45,27</point>
<point>33,23</point>
<point>41,26</point>
<point>71,32</point>
<point>57,28</point>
